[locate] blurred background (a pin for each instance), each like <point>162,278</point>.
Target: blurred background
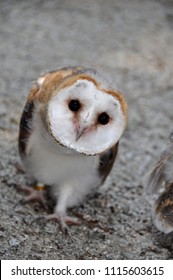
<point>131,43</point>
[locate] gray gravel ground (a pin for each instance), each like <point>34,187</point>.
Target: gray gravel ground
<point>132,43</point>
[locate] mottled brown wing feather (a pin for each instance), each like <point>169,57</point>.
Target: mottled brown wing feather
<point>163,170</point>
<point>164,208</point>
<point>106,161</point>
<point>25,127</point>
<point>162,175</point>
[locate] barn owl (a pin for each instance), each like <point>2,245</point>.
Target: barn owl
<point>162,176</point>
<point>68,136</point>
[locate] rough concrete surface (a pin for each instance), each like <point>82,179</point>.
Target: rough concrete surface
<point>131,42</point>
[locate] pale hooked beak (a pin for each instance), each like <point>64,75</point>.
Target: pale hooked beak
<point>83,129</point>
<point>79,133</point>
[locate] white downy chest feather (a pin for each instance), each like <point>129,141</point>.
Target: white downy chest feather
<point>55,165</point>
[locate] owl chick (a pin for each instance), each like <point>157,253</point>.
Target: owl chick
<point>162,176</point>
<point>69,134</point>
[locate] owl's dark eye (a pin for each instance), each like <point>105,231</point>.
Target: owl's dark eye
<point>74,105</point>
<point>103,118</point>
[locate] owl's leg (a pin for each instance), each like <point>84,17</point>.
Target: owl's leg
<point>35,194</point>
<point>60,214</point>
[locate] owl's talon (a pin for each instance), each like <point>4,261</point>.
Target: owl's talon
<point>61,220</point>
<point>33,196</point>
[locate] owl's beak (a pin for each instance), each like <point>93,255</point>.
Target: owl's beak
<point>79,133</point>
<point>82,130</point>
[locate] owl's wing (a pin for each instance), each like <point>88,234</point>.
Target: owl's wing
<point>163,170</point>
<point>106,161</point>
<point>163,210</point>
<point>162,175</point>
<point>25,127</point>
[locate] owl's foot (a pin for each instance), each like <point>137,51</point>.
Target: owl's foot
<point>35,194</point>
<point>61,219</point>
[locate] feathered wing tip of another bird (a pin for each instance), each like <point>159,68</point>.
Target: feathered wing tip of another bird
<point>162,171</point>
<point>162,176</point>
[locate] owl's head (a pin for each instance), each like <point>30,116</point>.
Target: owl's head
<point>85,117</point>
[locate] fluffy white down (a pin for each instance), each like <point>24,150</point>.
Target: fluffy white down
<point>94,102</point>
<point>71,175</point>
